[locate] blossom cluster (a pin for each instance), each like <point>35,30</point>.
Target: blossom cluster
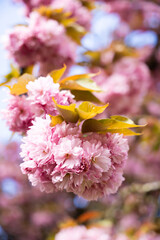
<point>126,87</point>
<point>40,43</point>
<point>32,4</point>
<point>60,157</point>
<point>74,7</point>
<point>21,110</point>
<point>79,12</point>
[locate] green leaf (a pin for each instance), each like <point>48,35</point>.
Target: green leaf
<point>84,84</point>
<point>124,131</point>
<point>57,14</point>
<point>88,4</point>
<point>67,112</point>
<point>81,95</point>
<point>88,110</point>
<point>56,120</point>
<point>78,76</point>
<point>15,73</point>
<point>29,69</point>
<point>68,21</point>
<point>122,119</point>
<point>93,54</point>
<point>20,87</point>
<point>57,74</point>
<point>88,84</point>
<point>75,32</point>
<point>108,125</point>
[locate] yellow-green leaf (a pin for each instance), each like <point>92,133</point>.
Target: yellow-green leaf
<point>20,87</point>
<point>67,112</point>
<point>107,125</point>
<point>88,4</point>
<point>80,95</point>
<point>117,124</point>
<point>122,119</point>
<point>124,131</point>
<point>51,13</point>
<point>93,54</point>
<point>57,74</point>
<point>15,73</point>
<point>29,69</point>
<point>87,110</point>
<point>88,84</point>
<point>76,32</point>
<point>84,84</point>
<point>56,120</point>
<point>79,76</point>
<point>68,21</point>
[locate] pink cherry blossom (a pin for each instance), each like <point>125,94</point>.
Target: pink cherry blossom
<point>18,114</point>
<point>61,158</point>
<point>81,233</point>
<point>81,14</point>
<point>126,87</point>
<point>41,92</point>
<point>40,43</point>
<point>32,4</point>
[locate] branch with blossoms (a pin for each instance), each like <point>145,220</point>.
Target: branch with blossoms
<point>65,146</point>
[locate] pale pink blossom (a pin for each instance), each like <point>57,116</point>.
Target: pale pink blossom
<point>41,92</point>
<point>18,114</point>
<point>61,158</point>
<point>75,8</point>
<point>81,14</point>
<point>32,4</point>
<point>82,233</point>
<point>126,87</point>
<point>40,43</point>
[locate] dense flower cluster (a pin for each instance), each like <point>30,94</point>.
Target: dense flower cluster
<point>126,87</point>
<point>40,43</point>
<point>41,92</point>
<point>18,114</point>
<point>21,110</point>
<point>60,157</point>
<point>32,4</point>
<point>79,12</point>
<point>74,7</point>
